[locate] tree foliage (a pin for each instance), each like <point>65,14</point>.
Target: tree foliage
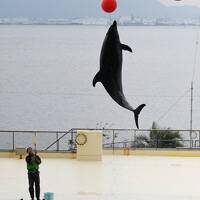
<point>159,138</point>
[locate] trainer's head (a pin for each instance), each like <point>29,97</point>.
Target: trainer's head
<point>29,150</point>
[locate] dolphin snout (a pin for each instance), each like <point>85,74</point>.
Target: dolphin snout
<point>115,23</point>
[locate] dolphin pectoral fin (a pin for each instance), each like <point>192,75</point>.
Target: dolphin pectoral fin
<point>137,112</point>
<point>96,79</point>
<point>126,48</point>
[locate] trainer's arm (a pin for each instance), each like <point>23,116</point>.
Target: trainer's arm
<point>38,160</point>
<point>28,159</point>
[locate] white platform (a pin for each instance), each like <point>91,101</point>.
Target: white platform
<point>115,178</point>
<point>92,149</point>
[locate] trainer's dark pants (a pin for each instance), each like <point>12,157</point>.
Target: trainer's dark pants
<point>34,178</point>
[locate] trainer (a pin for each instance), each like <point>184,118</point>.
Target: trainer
<point>33,161</point>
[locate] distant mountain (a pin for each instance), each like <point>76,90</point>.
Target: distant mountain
<point>91,8</point>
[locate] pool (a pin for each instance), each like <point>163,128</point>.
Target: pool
<point>115,177</point>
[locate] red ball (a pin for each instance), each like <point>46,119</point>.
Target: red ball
<point>109,5</point>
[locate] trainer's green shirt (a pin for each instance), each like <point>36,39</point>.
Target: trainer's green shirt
<point>33,163</point>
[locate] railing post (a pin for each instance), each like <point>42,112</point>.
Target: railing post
<point>35,141</point>
<point>72,140</point>
<point>199,138</point>
<point>191,140</point>
<point>13,140</point>
<point>113,145</point>
<point>57,144</point>
<point>134,140</point>
<point>156,140</point>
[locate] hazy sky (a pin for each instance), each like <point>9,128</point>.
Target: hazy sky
<point>92,8</point>
<point>180,3</point>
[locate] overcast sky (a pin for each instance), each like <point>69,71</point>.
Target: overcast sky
<point>92,8</point>
<point>181,3</point>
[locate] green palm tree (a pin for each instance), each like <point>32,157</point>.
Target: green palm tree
<point>165,138</point>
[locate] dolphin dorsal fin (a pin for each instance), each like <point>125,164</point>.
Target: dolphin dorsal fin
<point>96,79</point>
<point>126,48</point>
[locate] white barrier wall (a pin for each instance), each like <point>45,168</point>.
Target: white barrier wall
<point>89,145</point>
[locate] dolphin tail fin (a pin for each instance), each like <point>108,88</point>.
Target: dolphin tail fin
<point>137,112</point>
<point>96,79</point>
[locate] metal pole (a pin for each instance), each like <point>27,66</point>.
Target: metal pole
<point>113,145</point>
<point>199,138</point>
<point>57,141</point>
<point>191,113</point>
<point>35,141</point>
<point>135,137</point>
<point>72,139</point>
<point>13,140</point>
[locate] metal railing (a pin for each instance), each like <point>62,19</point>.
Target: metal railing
<point>39,140</point>
<point>59,141</point>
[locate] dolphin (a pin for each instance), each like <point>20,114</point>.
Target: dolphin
<point>110,73</point>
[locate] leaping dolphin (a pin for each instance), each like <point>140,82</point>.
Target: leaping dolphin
<point>110,73</point>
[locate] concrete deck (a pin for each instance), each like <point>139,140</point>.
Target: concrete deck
<point>116,177</point>
<point>138,152</point>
